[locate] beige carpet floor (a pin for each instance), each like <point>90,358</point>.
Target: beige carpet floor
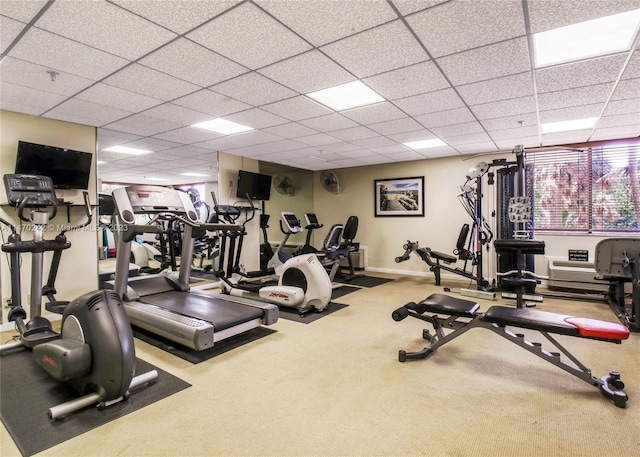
<point>335,388</point>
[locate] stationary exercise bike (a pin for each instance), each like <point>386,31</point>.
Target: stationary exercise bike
<point>94,352</point>
<point>302,281</point>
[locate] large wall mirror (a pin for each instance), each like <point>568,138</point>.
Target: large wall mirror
<point>291,190</point>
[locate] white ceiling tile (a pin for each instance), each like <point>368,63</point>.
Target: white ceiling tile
<point>212,103</point>
<point>405,124</point>
<point>384,48</point>
<point>153,144</point>
<point>371,114</point>
<point>407,7</point>
<point>146,81</point>
<point>115,137</point>
<point>447,117</point>
<point>345,163</point>
<point>104,26</point>
<point>258,39</point>
<point>374,142</point>
<point>497,89</point>
<point>477,148</point>
<point>493,61</point>
<point>416,135</point>
<point>319,139</point>
<point>577,136</point>
<point>329,123</point>
<point>546,15</point>
<point>140,124</point>
<point>176,113</point>
<point>254,89</point>
<point>510,144</point>
<point>65,55</point>
<point>627,88</point>
<point>31,75</point>
<point>627,106</point>
<point>510,122</point>
<point>297,108</point>
<point>432,102</point>
<point>404,82</point>
<point>21,10</point>
<point>614,133</point>
<point>574,112</point>
<point>457,129</point>
<point>187,60</point>
<point>256,118</point>
<point>500,21</point>
<point>103,94</point>
<point>340,147</point>
<point>321,21</point>
<point>457,140</point>
<point>513,133</point>
<point>574,97</point>
<point>504,108</point>
<point>9,30</point>
<point>239,140</point>
<point>175,15</point>
<point>579,74</point>
<point>187,135</point>
<point>32,101</point>
<point>400,156</point>
<point>308,72</point>
<point>192,151</point>
<point>618,120</point>
<point>278,146</point>
<point>290,130</point>
<point>75,110</point>
<point>355,133</point>
<point>633,67</point>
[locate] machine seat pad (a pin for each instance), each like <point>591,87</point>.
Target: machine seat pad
<point>509,246</point>
<point>556,323</point>
<point>444,304</point>
<point>442,256</point>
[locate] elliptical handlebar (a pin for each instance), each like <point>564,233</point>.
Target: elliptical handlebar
<point>25,202</point>
<point>87,209</point>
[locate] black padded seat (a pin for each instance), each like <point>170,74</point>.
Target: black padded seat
<point>442,256</point>
<point>531,319</point>
<point>509,246</point>
<point>439,303</point>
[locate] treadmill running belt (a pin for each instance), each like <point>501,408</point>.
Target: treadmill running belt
<point>221,313</point>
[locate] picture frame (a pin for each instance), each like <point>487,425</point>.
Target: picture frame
<point>399,197</point>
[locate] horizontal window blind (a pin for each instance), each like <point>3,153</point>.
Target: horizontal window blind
<point>591,189</point>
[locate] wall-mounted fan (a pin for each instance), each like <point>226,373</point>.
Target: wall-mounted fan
<point>284,185</point>
<point>330,182</point>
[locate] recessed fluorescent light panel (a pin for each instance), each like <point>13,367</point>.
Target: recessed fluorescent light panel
<point>566,126</point>
<point>345,96</point>
<point>222,126</point>
<point>195,175</point>
<point>598,37</point>
<point>127,150</point>
<point>424,144</point>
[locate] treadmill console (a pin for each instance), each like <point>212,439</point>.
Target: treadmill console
<point>291,222</point>
<point>39,190</point>
<point>142,199</point>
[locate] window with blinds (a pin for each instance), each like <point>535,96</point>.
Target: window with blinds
<point>590,189</point>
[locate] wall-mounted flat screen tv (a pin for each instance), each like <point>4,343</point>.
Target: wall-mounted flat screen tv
<point>256,185</point>
<point>67,169</point>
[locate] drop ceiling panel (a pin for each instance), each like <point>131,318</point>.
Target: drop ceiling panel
<point>27,100</point>
<point>527,142</point>
<point>141,124</point>
<point>174,15</point>
<point>625,131</point>
<point>36,76</point>
<point>406,124</point>
<point>458,129</point>
<point>355,133</point>
<point>9,30</point>
<point>372,114</point>
<point>115,97</point>
<point>21,10</point>
<point>191,62</point>
<point>187,135</point>
<point>290,130</point>
<point>619,120</point>
<point>447,117</point>
<point>308,72</point>
<point>297,108</point>
<point>514,133</point>
<point>74,110</point>
<point>627,106</point>
<point>176,113</point>
<point>329,123</point>
<point>627,88</point>
<point>407,7</point>
<point>318,139</point>
<point>254,89</point>
<point>515,106</point>
<point>493,61</point>
<point>321,21</point>
<point>575,112</point>
<point>577,136</point>
<point>476,147</point>
<point>497,89</point>
<point>432,102</point>
<point>153,144</point>
<point>256,118</point>
<point>62,54</point>
<point>384,48</point>
<point>404,82</point>
<point>104,26</point>
<point>574,97</point>
<point>212,103</point>
<point>239,140</point>
<point>454,26</point>
<point>374,142</point>
<point>146,81</point>
<point>579,74</point>
<point>472,138</point>
<point>510,122</point>
<point>258,39</point>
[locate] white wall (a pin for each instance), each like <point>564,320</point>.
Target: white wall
<point>78,272</point>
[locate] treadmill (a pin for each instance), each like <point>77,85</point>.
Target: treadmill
<point>163,303</point>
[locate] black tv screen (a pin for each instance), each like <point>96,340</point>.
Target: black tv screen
<point>256,185</point>
<point>67,169</point>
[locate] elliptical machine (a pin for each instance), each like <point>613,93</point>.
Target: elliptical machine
<point>94,352</point>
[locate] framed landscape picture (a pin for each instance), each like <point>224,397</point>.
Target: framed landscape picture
<point>399,197</point>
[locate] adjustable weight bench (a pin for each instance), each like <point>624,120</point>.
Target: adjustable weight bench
<point>451,317</point>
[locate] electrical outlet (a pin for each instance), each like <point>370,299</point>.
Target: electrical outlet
<point>6,301</point>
